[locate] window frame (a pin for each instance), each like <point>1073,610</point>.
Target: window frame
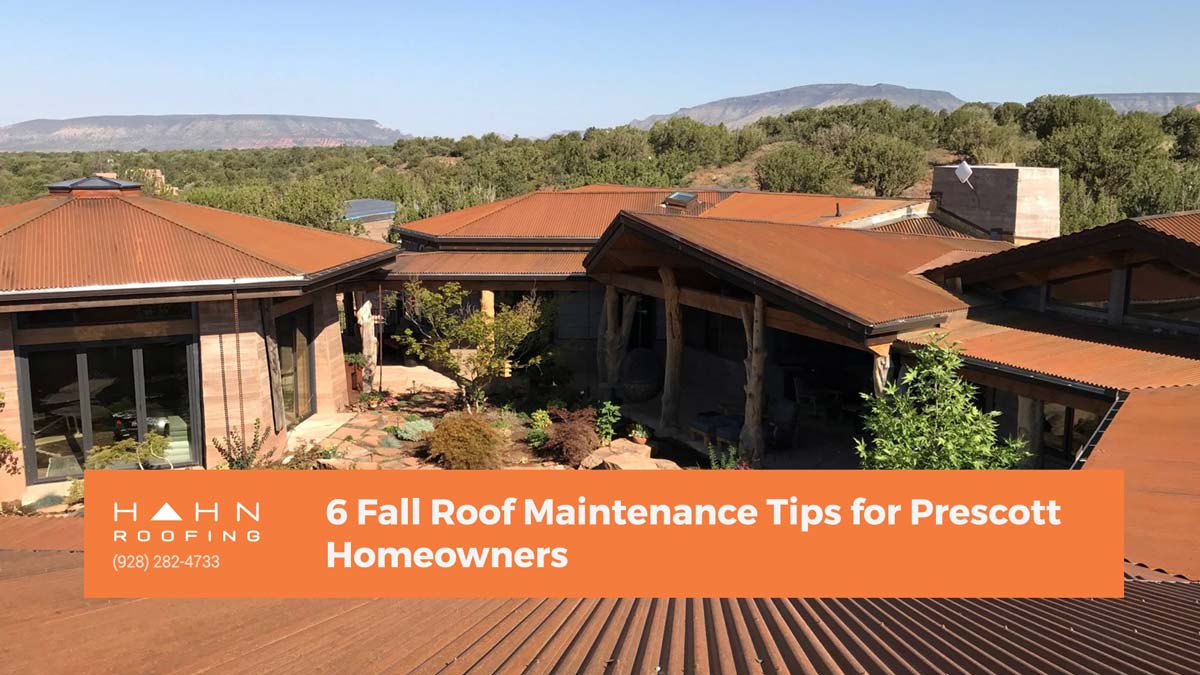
<point>1148,320</point>
<point>79,349</point>
<point>1053,304</point>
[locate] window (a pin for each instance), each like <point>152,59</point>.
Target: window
<point>1064,431</point>
<point>1160,290</point>
<point>80,398</point>
<point>104,315</point>
<point>1087,291</point>
<point>294,333</point>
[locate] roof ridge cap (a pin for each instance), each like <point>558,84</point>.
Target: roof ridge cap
<point>210,236</point>
<point>28,219</point>
<point>518,198</point>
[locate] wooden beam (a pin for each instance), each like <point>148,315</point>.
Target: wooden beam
<point>669,422</point>
<point>267,308</point>
<point>102,332</point>
<point>750,441</point>
<point>779,319</point>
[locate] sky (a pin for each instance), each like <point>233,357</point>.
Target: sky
<point>532,68</point>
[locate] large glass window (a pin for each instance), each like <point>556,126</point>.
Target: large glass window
<point>1160,290</point>
<point>104,315</point>
<point>1064,431</point>
<point>1087,291</point>
<point>79,399</point>
<point>293,332</point>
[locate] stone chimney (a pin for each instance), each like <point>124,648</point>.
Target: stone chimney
<point>1019,204</point>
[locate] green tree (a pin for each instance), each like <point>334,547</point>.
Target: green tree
<point>1103,155</point>
<point>1081,209</point>
<point>1046,114</point>
<point>973,133</point>
<point>886,164</point>
<point>695,142</point>
<point>931,421</point>
<point>473,348</point>
<point>1183,123</point>
<point>1008,113</point>
<point>800,168</point>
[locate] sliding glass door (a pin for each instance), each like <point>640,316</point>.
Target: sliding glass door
<point>78,398</point>
<point>294,332</point>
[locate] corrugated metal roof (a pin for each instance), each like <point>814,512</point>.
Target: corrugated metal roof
<point>1152,629</point>
<point>1184,226</point>
<point>355,209</point>
<point>1089,355</point>
<point>75,240</point>
<point>862,274</point>
<point>923,225</point>
<point>584,212</point>
<point>805,209</point>
<point>438,265</point>
<point>1154,438</point>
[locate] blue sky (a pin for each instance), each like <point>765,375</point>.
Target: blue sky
<point>452,68</point>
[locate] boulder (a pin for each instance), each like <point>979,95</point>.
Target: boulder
<point>629,462</point>
<point>335,463</point>
<point>666,464</point>
<point>624,446</point>
<point>596,458</point>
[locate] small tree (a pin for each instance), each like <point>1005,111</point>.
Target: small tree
<point>931,422</point>
<point>801,168</point>
<point>472,347</point>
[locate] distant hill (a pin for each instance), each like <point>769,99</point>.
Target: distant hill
<point>191,132</point>
<point>1155,103</point>
<point>741,110</point>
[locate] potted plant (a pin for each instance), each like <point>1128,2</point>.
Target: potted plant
<point>355,362</point>
<point>638,434</point>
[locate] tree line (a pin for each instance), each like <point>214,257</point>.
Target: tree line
<point>1113,165</point>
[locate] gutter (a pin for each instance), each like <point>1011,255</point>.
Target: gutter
<point>1040,377</point>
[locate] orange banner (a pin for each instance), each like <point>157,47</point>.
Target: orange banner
<point>604,534</point>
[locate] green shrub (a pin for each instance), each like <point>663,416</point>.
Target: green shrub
<point>411,430</point>
<point>75,491</point>
<point>129,452</point>
<point>573,437</point>
<point>238,452</point>
<point>465,441</point>
<point>304,457</point>
<point>355,359</point>
<point>540,420</point>
<point>729,458</point>
<point>536,438</point>
<point>606,421</point>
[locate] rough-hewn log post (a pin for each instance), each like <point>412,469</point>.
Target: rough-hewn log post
<point>751,439</point>
<point>881,368</point>
<point>669,422</point>
<point>366,328</point>
<point>608,328</point>
<point>487,303</point>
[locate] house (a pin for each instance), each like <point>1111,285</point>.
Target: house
<point>123,314</point>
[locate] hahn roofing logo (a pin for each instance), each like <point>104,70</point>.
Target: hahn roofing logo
<point>211,522</point>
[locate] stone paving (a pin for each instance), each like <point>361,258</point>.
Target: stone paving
<point>365,445</point>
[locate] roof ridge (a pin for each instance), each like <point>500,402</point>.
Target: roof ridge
<point>25,221</point>
<point>518,198</point>
<point>210,236</point>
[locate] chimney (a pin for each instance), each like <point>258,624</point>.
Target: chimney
<point>1019,204</point>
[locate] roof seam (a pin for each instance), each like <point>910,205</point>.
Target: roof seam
<point>216,239</point>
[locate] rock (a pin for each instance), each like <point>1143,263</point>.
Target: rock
<point>666,464</point>
<point>370,441</point>
<point>390,441</point>
<point>387,451</point>
<point>629,461</point>
<point>624,446</point>
<point>596,458</point>
<point>336,463</point>
<point>353,451</point>
<point>366,466</point>
<point>410,461</point>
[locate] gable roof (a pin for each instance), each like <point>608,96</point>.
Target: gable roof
<point>861,275</point>
<point>451,265</point>
<point>1153,439</point>
<point>92,239</point>
<point>920,225</point>
<point>580,215</point>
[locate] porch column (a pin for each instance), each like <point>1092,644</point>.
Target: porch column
<point>616,336</point>
<point>366,329</point>
<point>669,422</point>
<point>751,439</point>
<point>608,328</point>
<point>487,303</point>
<point>881,368</point>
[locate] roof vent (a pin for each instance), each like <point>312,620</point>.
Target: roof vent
<point>837,209</point>
<point>679,200</point>
<point>93,183</point>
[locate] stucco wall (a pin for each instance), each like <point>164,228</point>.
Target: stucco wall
<point>327,351</point>
<point>11,487</point>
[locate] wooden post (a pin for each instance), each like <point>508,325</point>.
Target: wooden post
<point>608,338</point>
<point>881,368</point>
<point>669,422</point>
<point>487,303</point>
<point>751,439</point>
<point>616,340</point>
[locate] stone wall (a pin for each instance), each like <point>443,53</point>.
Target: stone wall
<point>327,353</point>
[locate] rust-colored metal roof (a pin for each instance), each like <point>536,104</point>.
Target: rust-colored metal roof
<point>1151,630</point>
<point>862,274</point>
<point>808,209</point>
<point>115,238</point>
<point>1184,226</point>
<point>41,533</point>
<point>450,265</point>
<point>576,215</point>
<point>922,225</point>
<point>1154,438</point>
<point>1091,355</point>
